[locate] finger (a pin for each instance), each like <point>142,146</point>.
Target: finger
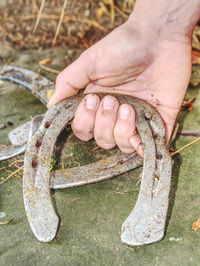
<point>136,142</point>
<point>105,121</point>
<point>125,128</point>
<point>84,120</point>
<point>71,79</point>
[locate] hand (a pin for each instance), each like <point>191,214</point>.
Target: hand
<point>146,64</point>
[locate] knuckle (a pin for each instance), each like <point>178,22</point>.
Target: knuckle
<point>81,133</point>
<point>104,145</point>
<point>126,150</point>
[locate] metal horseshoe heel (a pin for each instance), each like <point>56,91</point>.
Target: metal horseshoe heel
<point>146,223</point>
<point>29,80</point>
<point>38,86</point>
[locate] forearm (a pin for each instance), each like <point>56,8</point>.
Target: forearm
<point>173,15</point>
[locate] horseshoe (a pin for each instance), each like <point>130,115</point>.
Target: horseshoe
<point>146,223</point>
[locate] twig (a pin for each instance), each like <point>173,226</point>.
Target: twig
<point>121,12</point>
<point>49,69</point>
<point>138,182</point>
<point>17,161</point>
<point>66,19</point>
<point>96,148</point>
<point>112,12</point>
<point>187,145</point>
<point>39,16</point>
<point>60,22</point>
<point>7,222</point>
<point>122,193</point>
<point>3,168</point>
<point>189,134</point>
<point>74,200</point>
<point>13,173</point>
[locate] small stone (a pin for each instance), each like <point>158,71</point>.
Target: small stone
<point>2,126</point>
<point>87,13</point>
<point>2,214</point>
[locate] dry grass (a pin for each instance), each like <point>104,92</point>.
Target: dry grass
<point>43,23</point>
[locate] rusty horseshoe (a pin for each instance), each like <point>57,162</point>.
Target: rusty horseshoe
<point>146,223</point>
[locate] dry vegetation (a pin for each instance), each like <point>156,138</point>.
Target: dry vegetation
<point>43,23</point>
<point>76,23</point>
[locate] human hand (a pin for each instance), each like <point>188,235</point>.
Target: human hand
<point>143,63</point>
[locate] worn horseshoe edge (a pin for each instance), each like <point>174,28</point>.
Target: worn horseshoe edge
<point>31,81</point>
<point>152,205</point>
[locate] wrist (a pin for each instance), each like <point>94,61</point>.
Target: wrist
<point>166,17</point>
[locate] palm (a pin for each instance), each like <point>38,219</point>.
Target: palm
<point>146,64</point>
<point>158,75</point>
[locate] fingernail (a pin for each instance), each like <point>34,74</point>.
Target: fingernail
<point>124,111</point>
<point>51,102</point>
<point>139,150</point>
<point>91,102</point>
<point>108,102</point>
<point>135,141</point>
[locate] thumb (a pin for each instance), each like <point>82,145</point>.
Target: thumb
<point>71,80</point>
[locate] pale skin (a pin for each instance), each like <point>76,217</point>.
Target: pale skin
<point>148,57</point>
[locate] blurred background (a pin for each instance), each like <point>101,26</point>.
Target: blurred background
<point>77,23</point>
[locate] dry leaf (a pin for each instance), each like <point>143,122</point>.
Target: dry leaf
<point>188,105</point>
<point>196,225</point>
<point>99,13</point>
<point>50,94</point>
<point>195,57</point>
<point>45,61</point>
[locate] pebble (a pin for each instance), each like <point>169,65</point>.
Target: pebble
<point>2,214</point>
<point>5,125</point>
<point>87,13</point>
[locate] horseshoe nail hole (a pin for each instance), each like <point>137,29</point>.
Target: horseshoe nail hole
<point>159,156</point>
<point>147,116</point>
<point>38,143</point>
<point>155,136</point>
<point>68,105</point>
<point>47,124</point>
<point>156,178</point>
<point>35,162</point>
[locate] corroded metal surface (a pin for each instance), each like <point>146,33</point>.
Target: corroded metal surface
<point>20,135</point>
<point>31,81</point>
<point>7,152</point>
<point>38,86</point>
<point>19,138</point>
<point>146,223</point>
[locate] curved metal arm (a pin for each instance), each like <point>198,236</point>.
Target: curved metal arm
<point>147,221</point>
